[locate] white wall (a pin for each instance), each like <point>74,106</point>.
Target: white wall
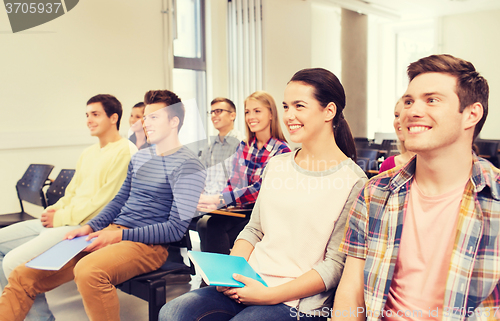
<point>474,37</point>
<point>49,72</point>
<point>217,56</point>
<point>286,45</point>
<point>217,50</point>
<point>326,37</point>
<point>286,42</point>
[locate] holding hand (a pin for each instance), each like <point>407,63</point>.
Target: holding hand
<point>103,238</point>
<point>47,218</point>
<point>253,293</point>
<point>84,230</point>
<point>222,288</point>
<point>206,207</point>
<point>209,202</point>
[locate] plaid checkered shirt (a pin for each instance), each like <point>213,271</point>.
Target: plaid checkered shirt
<point>374,228</point>
<point>243,187</point>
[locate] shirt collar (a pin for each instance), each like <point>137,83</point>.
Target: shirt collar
<point>268,146</point>
<point>403,175</point>
<point>231,133</point>
<point>482,176</point>
<point>218,141</point>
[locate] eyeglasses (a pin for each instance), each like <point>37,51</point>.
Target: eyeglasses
<point>218,111</point>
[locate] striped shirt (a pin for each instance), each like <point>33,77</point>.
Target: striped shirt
<point>248,164</point>
<point>375,226</point>
<point>158,198</point>
<point>216,158</point>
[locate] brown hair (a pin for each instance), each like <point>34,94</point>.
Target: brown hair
<point>171,100</point>
<point>224,100</point>
<point>267,101</point>
<point>471,86</point>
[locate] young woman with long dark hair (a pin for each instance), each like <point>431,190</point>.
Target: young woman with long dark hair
<point>298,221</point>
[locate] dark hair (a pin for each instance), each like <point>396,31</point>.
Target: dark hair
<point>139,104</point>
<point>471,86</point>
<point>224,100</point>
<point>327,89</point>
<point>110,104</point>
<point>171,100</point>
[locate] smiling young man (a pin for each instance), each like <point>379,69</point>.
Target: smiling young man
<point>222,147</point>
<point>130,235</point>
<point>422,239</point>
<point>100,171</point>
<point>217,156</point>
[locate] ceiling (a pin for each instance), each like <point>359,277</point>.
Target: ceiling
<point>431,8</point>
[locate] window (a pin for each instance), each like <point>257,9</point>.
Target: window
<point>189,73</point>
<point>392,46</point>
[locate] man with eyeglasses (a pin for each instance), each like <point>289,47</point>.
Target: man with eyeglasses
<point>216,156</point>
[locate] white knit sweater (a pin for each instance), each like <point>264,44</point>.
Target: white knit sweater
<point>298,222</point>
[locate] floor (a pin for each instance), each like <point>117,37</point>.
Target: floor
<point>66,303</point>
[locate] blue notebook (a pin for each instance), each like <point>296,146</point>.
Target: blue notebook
<point>218,269</point>
<point>57,256</point>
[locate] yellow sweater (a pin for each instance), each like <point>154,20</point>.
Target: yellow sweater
<point>100,173</point>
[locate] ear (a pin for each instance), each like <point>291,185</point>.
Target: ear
<point>174,122</point>
<point>232,115</point>
<point>114,118</point>
<point>472,115</point>
<point>330,111</point>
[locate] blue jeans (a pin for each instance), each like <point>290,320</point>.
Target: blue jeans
<point>207,304</point>
<point>20,243</point>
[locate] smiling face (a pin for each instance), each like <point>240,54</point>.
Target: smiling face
<point>135,119</point>
<point>98,122</point>
<point>430,119</point>
<point>224,120</point>
<point>303,115</point>
<point>157,125</point>
<point>257,116</point>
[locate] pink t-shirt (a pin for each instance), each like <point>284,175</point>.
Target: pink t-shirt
<point>389,163</point>
<point>418,286</point>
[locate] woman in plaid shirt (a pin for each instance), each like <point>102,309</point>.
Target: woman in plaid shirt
<point>264,140</point>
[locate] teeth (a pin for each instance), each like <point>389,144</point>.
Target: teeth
<point>416,129</point>
<point>293,127</point>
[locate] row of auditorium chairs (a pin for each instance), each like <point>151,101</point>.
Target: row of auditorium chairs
<point>30,188</point>
<point>370,153</point>
<point>488,149</point>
